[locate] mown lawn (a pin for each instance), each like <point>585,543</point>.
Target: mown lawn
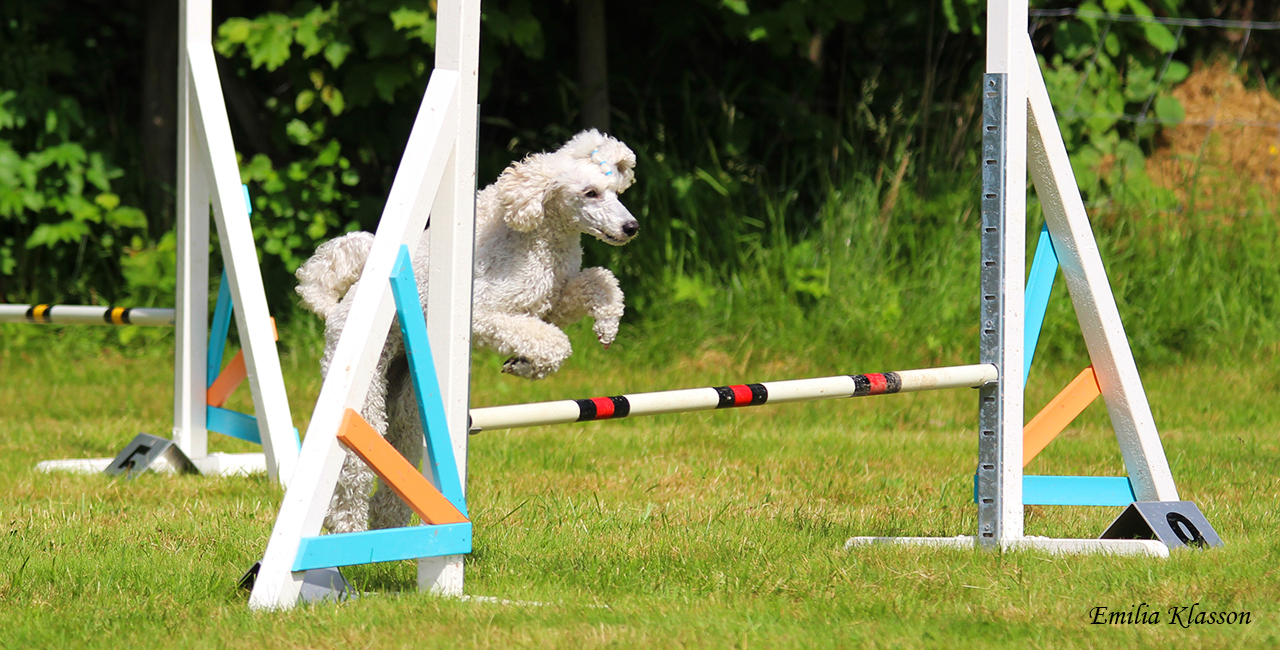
<point>703,530</point>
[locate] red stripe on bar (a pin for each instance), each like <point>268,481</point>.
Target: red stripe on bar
<point>741,395</point>
<point>604,407</point>
<point>878,383</point>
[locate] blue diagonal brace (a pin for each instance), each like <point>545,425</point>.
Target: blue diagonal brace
<point>221,325</point>
<point>1044,268</point>
<point>222,315</point>
<point>233,423</point>
<point>426,386</point>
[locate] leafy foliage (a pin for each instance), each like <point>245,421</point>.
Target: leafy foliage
<point>63,227</point>
<point>1100,71</point>
<point>786,147</point>
<point>347,77</point>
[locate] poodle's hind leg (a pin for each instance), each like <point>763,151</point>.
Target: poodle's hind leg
<point>349,507</point>
<point>404,432</point>
<point>537,348</point>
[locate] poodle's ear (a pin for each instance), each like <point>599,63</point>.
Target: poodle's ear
<point>521,191</point>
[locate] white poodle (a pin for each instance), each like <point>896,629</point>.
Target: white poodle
<point>529,282</point>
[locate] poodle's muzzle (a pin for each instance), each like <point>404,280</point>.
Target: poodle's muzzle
<point>610,222</point>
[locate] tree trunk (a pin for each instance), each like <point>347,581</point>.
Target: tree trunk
<point>593,65</point>
<point>158,126</point>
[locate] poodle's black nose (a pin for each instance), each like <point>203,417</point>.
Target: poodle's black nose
<point>630,228</point>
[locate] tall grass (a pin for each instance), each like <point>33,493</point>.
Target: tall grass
<point>874,274</point>
<point>887,275</point>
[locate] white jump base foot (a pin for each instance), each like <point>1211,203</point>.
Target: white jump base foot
<point>1147,547</point>
<point>215,464</point>
<point>220,464</point>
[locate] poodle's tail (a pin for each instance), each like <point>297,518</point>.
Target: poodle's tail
<point>325,278</point>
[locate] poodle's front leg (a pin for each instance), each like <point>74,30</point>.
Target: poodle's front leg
<point>594,292</point>
<point>537,348</point>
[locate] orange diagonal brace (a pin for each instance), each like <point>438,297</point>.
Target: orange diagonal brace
<point>227,380</point>
<point>231,376</point>
<point>404,479</point>
<point>1055,417</point>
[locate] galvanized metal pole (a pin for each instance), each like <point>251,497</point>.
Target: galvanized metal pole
<point>1004,215</point>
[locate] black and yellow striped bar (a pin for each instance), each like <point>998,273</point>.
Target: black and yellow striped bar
<point>43,314</point>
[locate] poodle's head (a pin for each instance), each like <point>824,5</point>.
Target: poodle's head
<point>576,187</point>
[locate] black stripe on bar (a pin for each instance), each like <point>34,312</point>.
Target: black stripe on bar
<point>621,407</point>
<point>106,316</point>
<point>31,314</point>
<point>861,385</point>
<point>759,394</point>
<point>725,394</point>
<point>586,410</point>
<point>893,383</point>
<point>124,316</point>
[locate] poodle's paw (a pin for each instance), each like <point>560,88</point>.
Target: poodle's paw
<point>522,367</point>
<point>517,366</point>
<point>606,330</point>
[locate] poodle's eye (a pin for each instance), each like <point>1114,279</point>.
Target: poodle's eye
<point>591,194</point>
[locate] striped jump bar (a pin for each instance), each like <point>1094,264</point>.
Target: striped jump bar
<point>85,315</point>
<point>705,399</point>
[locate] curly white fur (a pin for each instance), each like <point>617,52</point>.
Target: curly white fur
<point>529,282</point>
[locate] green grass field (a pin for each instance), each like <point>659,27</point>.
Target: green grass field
<point>702,530</point>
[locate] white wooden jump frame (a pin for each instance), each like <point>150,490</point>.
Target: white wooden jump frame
<point>208,174</point>
<point>436,178</point>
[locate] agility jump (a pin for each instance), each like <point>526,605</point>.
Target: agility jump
<point>208,177</point>
<point>436,179</point>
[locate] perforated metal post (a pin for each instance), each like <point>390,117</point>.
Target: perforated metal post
<point>1004,177</point>
<point>990,308</point>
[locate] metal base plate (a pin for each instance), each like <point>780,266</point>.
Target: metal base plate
<point>1176,523</point>
<point>145,450</point>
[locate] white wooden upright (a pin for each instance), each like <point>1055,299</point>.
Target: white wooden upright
<point>191,318</point>
<point>452,235</point>
<point>208,174</point>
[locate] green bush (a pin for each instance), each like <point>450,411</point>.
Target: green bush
<point>63,226</point>
<point>806,169</point>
